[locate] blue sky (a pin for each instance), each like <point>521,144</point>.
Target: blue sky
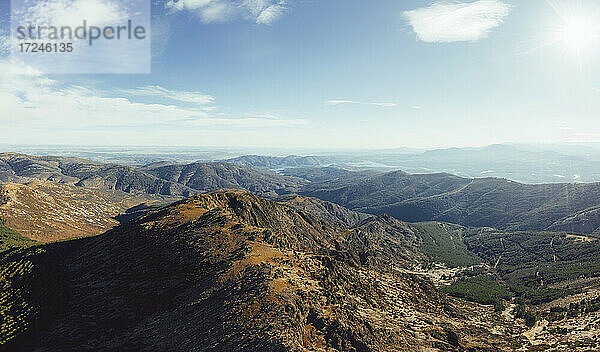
<point>336,73</point>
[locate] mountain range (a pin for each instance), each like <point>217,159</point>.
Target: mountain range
<point>236,272</point>
<point>482,202</point>
<point>164,179</point>
<point>279,162</point>
<point>479,202</point>
<point>228,270</point>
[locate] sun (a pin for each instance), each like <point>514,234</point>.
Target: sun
<point>579,33</point>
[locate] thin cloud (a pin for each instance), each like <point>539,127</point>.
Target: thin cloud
<point>271,14</point>
<point>209,11</point>
<point>264,116</point>
<point>160,92</point>
<point>247,122</point>
<point>446,22</point>
<point>342,102</point>
<point>73,12</point>
<point>54,105</point>
<point>4,45</point>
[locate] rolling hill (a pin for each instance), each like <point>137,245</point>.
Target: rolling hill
<point>49,211</point>
<point>325,173</point>
<point>21,168</point>
<point>157,178</point>
<point>278,162</point>
<point>204,177</point>
<point>487,202</point>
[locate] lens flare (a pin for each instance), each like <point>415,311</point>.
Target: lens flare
<point>579,33</point>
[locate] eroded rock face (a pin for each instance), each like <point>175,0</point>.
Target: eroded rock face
<point>229,271</point>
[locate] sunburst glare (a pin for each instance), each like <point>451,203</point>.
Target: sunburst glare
<point>579,33</point>
<point>578,30</point>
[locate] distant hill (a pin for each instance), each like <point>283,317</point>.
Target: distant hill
<point>488,202</point>
<point>275,162</point>
<point>85,173</point>
<point>205,177</point>
<point>522,163</point>
<point>383,189</point>
<point>477,202</point>
<point>326,173</point>
<point>161,178</point>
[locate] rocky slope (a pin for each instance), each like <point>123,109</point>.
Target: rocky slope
<point>48,211</point>
<point>324,210</point>
<point>229,271</point>
<point>158,178</point>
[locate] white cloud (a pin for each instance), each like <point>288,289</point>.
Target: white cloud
<point>270,14</point>
<point>160,92</point>
<point>120,56</point>
<point>73,12</point>
<point>29,98</point>
<point>260,11</point>
<point>248,122</point>
<point>445,22</point>
<point>4,45</point>
<point>265,116</point>
<point>341,102</point>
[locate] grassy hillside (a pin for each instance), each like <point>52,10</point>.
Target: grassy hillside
<point>533,264</point>
<point>444,243</point>
<point>15,310</point>
<point>12,239</point>
<point>483,289</point>
<point>48,211</point>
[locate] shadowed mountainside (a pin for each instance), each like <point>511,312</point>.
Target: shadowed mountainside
<point>205,177</point>
<point>230,271</point>
<point>490,202</point>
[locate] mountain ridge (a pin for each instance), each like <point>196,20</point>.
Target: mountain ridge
<point>157,178</point>
<point>236,272</point>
